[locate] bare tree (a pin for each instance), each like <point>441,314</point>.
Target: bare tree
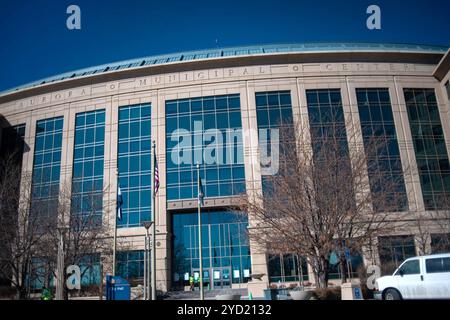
<point>321,201</point>
<point>85,237</point>
<point>433,227</point>
<point>19,230</point>
<point>30,230</point>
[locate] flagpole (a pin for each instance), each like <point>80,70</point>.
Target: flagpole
<point>202,297</point>
<point>153,245</point>
<point>115,225</point>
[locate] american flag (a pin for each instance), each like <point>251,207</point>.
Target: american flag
<point>156,172</point>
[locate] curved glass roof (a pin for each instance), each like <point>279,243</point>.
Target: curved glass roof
<point>236,52</point>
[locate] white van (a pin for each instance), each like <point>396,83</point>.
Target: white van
<point>426,277</point>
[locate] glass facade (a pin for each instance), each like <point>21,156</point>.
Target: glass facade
<point>130,265</point>
<point>336,268</point>
<point>134,163</point>
<point>87,178</point>
<point>440,243</point>
<point>90,270</point>
<point>393,251</point>
<point>47,167</point>
<point>274,111</point>
<point>225,248</point>
<point>194,129</point>
<point>40,274</point>
<point>326,118</point>
<point>380,140</point>
<point>12,142</point>
<point>286,268</point>
<point>429,146</point>
<point>20,129</point>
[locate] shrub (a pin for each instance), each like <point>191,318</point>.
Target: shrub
<point>327,294</point>
<point>7,292</point>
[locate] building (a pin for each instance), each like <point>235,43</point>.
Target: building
<point>80,126</point>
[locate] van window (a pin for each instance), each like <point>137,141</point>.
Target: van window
<point>446,264</point>
<point>410,267</point>
<point>437,265</point>
<point>434,265</point>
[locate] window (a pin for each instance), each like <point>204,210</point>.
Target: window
<point>46,168</point>
<point>225,245</point>
<point>189,142</point>
<point>274,111</point>
<point>440,243</point>
<point>285,268</point>
<point>384,163</point>
<point>326,118</point>
<point>433,265</point>
<point>90,270</point>
<point>337,269</point>
<point>328,133</point>
<point>87,182</point>
<point>393,251</point>
<point>130,265</point>
<point>409,268</point>
<point>40,274</point>
<point>429,144</point>
<point>134,163</point>
<point>437,265</point>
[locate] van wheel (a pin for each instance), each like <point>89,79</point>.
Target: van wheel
<point>392,294</point>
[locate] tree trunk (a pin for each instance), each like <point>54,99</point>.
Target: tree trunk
<point>323,273</point>
<point>22,293</point>
<point>343,264</point>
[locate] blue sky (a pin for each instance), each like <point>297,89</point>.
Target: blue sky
<point>35,42</point>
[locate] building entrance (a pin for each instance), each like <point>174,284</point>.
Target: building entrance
<point>225,249</point>
<point>214,278</point>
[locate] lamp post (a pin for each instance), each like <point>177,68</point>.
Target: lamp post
<point>200,196</point>
<point>147,271</point>
<point>145,266</point>
<point>115,230</point>
<point>153,225</point>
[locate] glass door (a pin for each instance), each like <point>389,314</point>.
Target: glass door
<point>226,277</point>
<point>206,278</point>
<point>217,278</point>
<point>222,277</point>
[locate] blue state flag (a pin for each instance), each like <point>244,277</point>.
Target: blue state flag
<point>201,193</point>
<point>119,203</point>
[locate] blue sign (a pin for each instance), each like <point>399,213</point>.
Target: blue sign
<point>358,294</point>
<point>117,288</point>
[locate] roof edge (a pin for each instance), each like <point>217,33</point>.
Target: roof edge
<point>443,67</point>
<point>229,52</point>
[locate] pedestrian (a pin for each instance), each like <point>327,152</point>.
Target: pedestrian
<point>191,281</point>
<point>46,294</point>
